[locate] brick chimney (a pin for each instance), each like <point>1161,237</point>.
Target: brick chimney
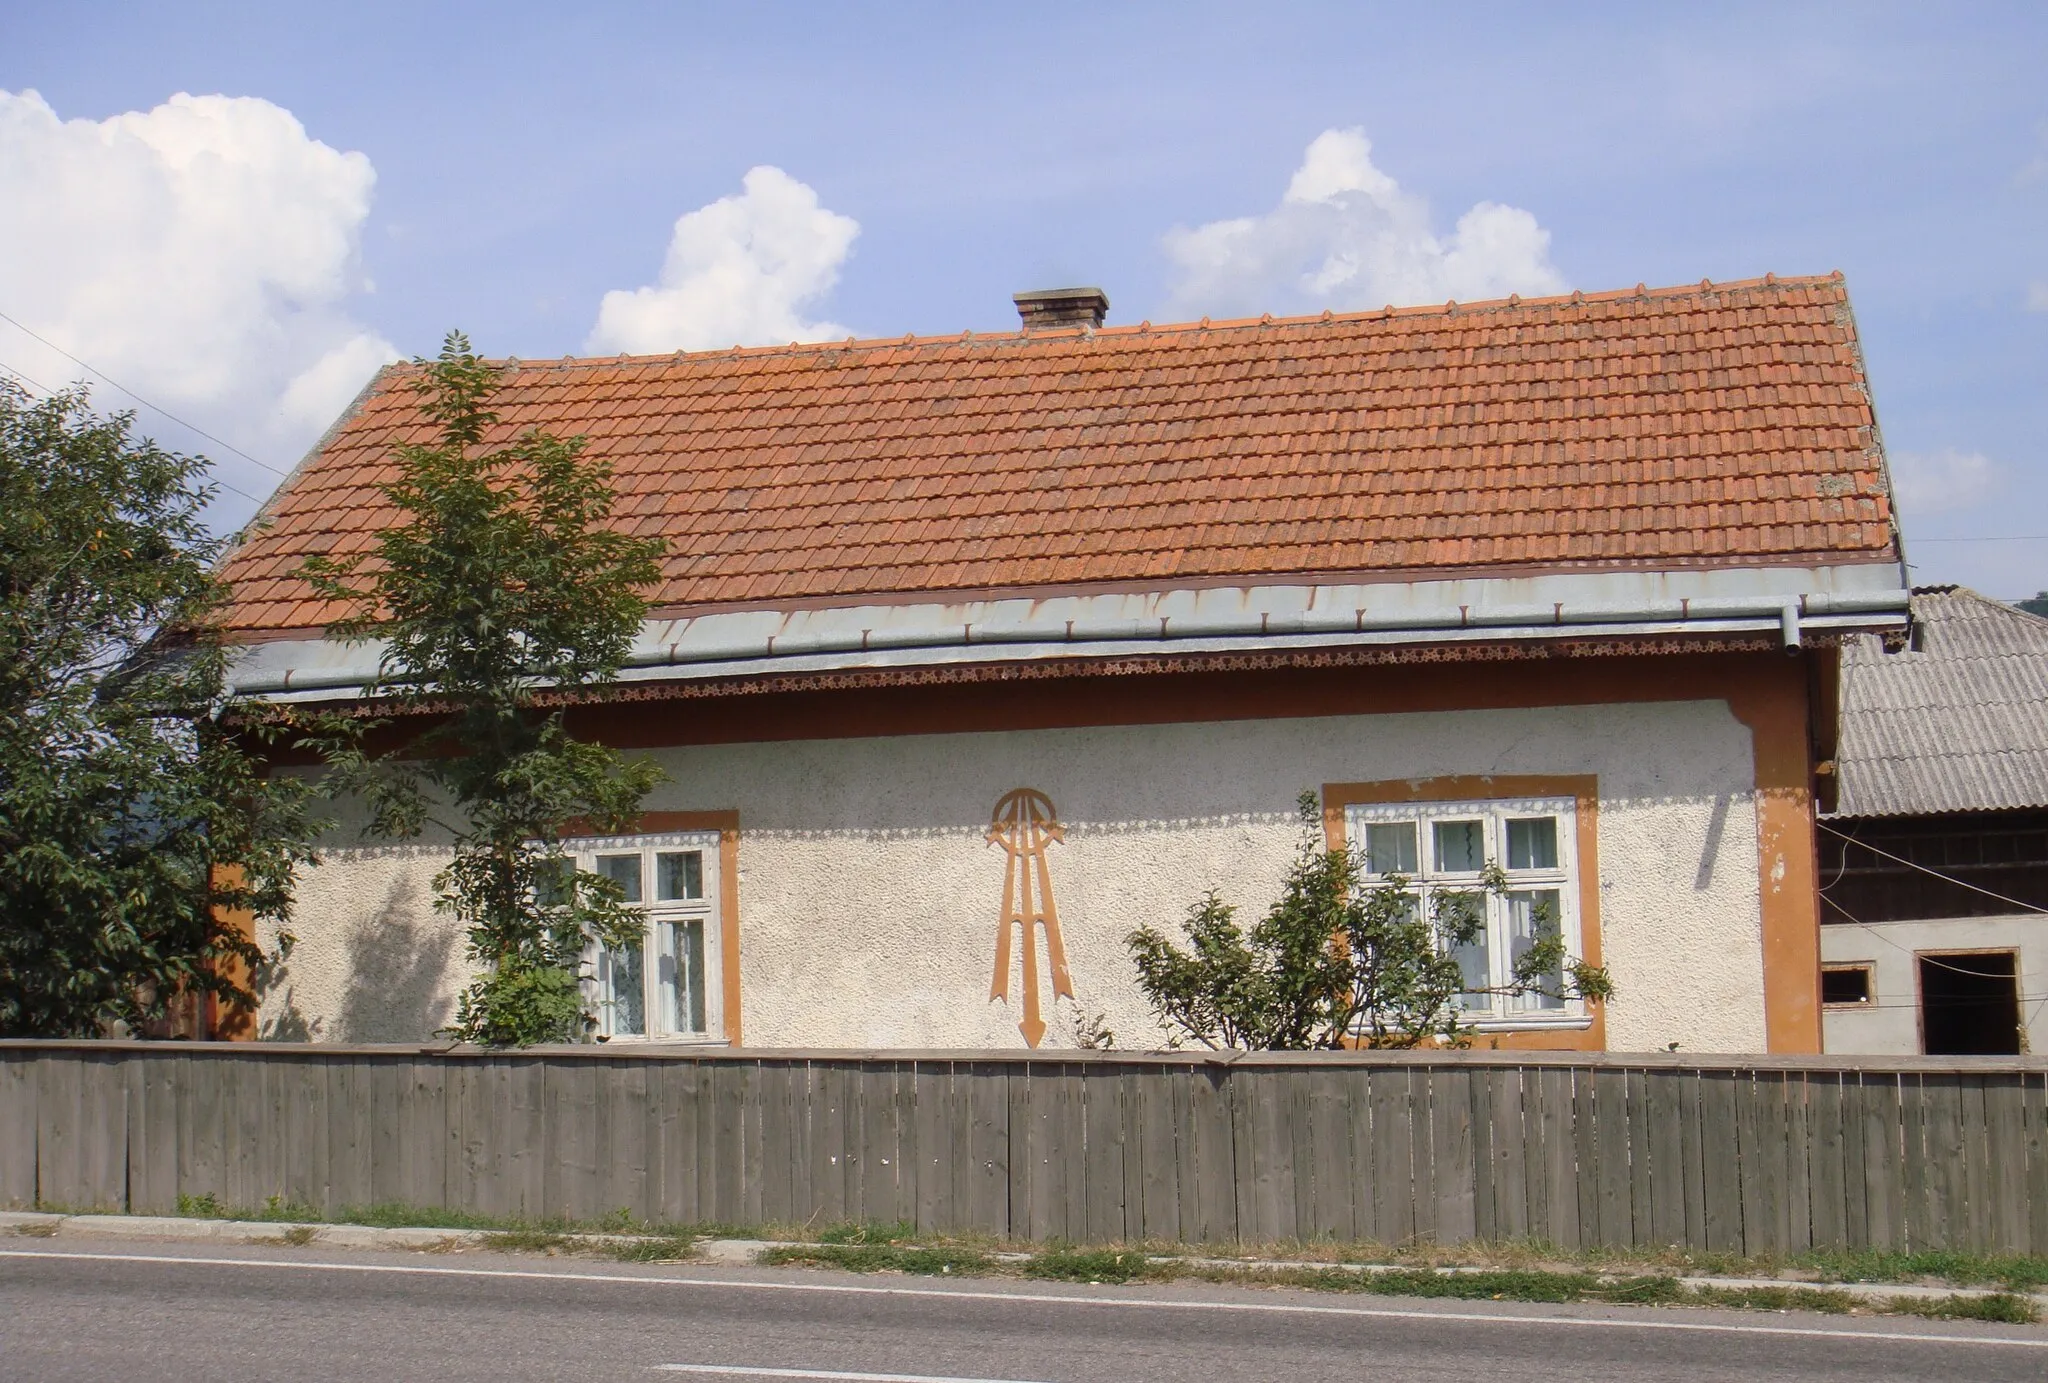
<point>1051,308</point>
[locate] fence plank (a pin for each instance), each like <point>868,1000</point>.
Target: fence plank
<point>1208,1155</point>
<point>1973,1153</point>
<point>2005,1142</point>
<point>876,1154</point>
<point>1760,1127</point>
<point>1393,1157</point>
<point>1330,1171</point>
<point>1668,1108</point>
<point>1947,1223</point>
<point>152,1136</point>
<point>932,1173</point>
<point>1883,1099</point>
<point>988,1148</point>
<point>1455,1199</point>
<point>673,1090</point>
<point>738,1095</point>
<point>386,1080</point>
<point>1263,1168</point>
<point>1922,1196</point>
<point>1826,1162</point>
<point>18,1125</point>
<point>1561,1189</point>
<point>1102,1126</point>
<point>2035,1104</point>
<point>1641,1214</point>
<point>1720,1162</point>
<point>1611,1136</point>
<point>1160,1147</point>
<point>1511,1214</point>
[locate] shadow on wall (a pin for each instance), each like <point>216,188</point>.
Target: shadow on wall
<point>397,977</point>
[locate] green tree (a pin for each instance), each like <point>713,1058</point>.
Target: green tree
<point>2035,605</point>
<point>122,793</point>
<point>1340,959</point>
<point>501,589</point>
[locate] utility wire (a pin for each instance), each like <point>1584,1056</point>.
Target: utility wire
<point>157,408</point>
<point>47,391</point>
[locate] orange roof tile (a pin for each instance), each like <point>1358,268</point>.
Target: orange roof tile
<point>1706,425</point>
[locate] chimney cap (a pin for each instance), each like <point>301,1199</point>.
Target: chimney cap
<point>1049,308</point>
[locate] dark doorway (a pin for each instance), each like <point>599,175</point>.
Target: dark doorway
<point>1969,1004</point>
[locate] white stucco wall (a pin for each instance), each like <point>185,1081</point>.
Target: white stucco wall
<point>869,897</point>
<point>1890,1024</point>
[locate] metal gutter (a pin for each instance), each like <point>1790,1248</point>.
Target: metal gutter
<point>838,644</point>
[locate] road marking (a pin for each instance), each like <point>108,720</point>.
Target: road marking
<point>740,1371</point>
<point>1278,1308</point>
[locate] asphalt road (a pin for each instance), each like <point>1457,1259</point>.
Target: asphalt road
<point>228,1313</point>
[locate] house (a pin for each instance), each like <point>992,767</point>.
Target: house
<point>1934,852</point>
<point>974,653</point>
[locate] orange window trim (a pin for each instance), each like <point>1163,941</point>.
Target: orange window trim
<point>1583,789</point>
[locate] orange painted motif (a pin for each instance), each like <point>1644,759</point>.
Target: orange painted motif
<point>1024,825</point>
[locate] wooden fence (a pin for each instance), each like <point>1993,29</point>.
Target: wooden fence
<point>1751,1155</point>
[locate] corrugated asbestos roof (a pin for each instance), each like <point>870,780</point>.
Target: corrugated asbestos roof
<point>1959,723</point>
<point>1711,425</point>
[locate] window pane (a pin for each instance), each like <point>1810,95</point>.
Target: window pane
<point>628,997</point>
<point>1461,931</point>
<point>1848,985</point>
<point>1390,848</point>
<point>678,874</point>
<point>1460,846</point>
<point>551,882</point>
<point>1533,914</point>
<point>1532,843</point>
<point>688,941</point>
<point>623,870</point>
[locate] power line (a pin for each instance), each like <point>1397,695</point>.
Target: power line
<point>49,392</point>
<point>157,408</point>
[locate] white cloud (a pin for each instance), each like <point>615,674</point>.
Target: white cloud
<point>202,253</point>
<point>2037,296</point>
<point>1346,235</point>
<point>739,271</point>
<point>1935,482</point>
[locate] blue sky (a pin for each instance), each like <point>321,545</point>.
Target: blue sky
<point>518,163</point>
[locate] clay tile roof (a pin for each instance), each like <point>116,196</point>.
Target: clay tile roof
<point>1708,425</point>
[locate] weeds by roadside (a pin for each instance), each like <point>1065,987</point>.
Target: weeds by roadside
<point>877,1258</point>
<point>1516,1271</point>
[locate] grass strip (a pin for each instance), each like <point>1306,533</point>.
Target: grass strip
<point>878,1258</point>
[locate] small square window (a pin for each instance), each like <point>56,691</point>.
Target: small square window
<point>1845,984</point>
<point>679,875</point>
<point>623,870</point>
<point>1390,848</point>
<point>1532,842</point>
<point>1460,846</point>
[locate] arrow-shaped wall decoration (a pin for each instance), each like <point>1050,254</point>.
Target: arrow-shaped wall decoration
<point>1024,824</point>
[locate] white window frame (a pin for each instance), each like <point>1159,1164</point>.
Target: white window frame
<point>657,985</point>
<point>1502,1013</point>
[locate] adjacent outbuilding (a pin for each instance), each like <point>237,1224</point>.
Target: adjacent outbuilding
<point>1934,858</point>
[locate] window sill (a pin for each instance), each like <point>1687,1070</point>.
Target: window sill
<point>638,1042</point>
<point>1570,1022</point>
